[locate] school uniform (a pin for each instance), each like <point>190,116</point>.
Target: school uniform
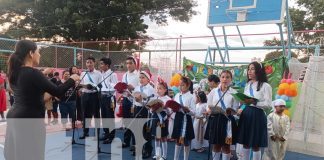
<point>253,121</point>
<point>108,99</point>
<point>183,126</point>
<point>277,126</point>
<point>161,120</point>
<point>217,127</point>
<point>131,78</point>
<point>199,125</point>
<point>89,98</point>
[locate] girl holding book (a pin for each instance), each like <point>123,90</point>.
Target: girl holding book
<point>253,121</point>
<point>221,128</point>
<point>183,128</point>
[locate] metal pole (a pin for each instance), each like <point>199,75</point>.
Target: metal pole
<point>219,51</point>
<point>180,52</point>
<point>289,30</point>
<point>239,32</point>
<point>150,59</point>
<point>82,55</point>
<point>74,56</point>
<point>282,39</point>
<point>176,61</point>
<point>108,49</point>
<point>226,45</point>
<point>55,57</point>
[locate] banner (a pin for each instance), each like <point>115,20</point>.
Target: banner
<point>274,70</point>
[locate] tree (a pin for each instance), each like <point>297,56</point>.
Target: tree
<point>89,20</point>
<point>308,15</point>
<point>278,53</point>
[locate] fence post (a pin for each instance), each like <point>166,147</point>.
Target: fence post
<point>108,50</point>
<point>74,56</point>
<point>149,59</point>
<point>55,57</point>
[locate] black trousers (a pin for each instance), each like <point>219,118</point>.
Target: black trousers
<point>90,107</point>
<point>107,111</point>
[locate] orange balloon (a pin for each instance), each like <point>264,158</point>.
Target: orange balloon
<point>284,86</point>
<point>294,93</point>
<point>281,91</point>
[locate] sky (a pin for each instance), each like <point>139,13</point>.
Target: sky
<point>197,27</point>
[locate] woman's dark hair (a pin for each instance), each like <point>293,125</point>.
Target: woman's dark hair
<point>260,74</point>
<point>228,72</point>
<point>16,60</point>
<point>165,85</point>
<point>202,96</point>
<point>187,81</point>
<point>213,78</point>
<point>71,69</point>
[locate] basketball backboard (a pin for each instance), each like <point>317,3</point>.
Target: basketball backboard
<point>245,12</point>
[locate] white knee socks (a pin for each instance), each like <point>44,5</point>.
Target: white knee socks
<point>164,149</point>
<point>216,155</point>
<point>257,155</point>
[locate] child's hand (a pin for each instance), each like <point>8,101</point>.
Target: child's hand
<point>186,109</point>
<point>239,111</point>
<point>273,138</point>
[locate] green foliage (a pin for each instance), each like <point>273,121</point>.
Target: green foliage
<point>81,20</point>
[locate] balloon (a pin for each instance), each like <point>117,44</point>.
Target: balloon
<point>286,112</point>
<point>280,92</point>
<point>175,90</point>
<point>289,81</point>
<point>194,69</point>
<point>284,86</point>
<point>288,104</point>
<point>293,86</point>
<point>283,81</point>
<point>294,93</point>
<point>175,80</point>
<point>287,92</point>
<point>284,97</point>
<point>289,98</point>
<point>277,96</point>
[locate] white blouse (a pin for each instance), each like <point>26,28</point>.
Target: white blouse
<point>264,95</point>
<point>228,99</point>
<point>147,89</point>
<point>188,100</point>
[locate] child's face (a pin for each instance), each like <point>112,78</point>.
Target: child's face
<point>184,87</point>
<point>161,90</point>
<point>280,109</point>
<point>143,80</point>
<point>225,79</point>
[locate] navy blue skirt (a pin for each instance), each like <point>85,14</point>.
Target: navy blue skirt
<point>156,123</point>
<point>253,127</point>
<point>177,127</point>
<point>216,130</point>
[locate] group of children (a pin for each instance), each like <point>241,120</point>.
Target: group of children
<point>215,118</point>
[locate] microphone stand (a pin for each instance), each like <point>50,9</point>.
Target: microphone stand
<point>99,85</point>
<point>209,145</point>
<point>75,115</point>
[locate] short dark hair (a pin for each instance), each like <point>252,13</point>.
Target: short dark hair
<point>91,58</point>
<point>213,78</point>
<point>132,59</point>
<point>106,61</point>
<point>260,74</point>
